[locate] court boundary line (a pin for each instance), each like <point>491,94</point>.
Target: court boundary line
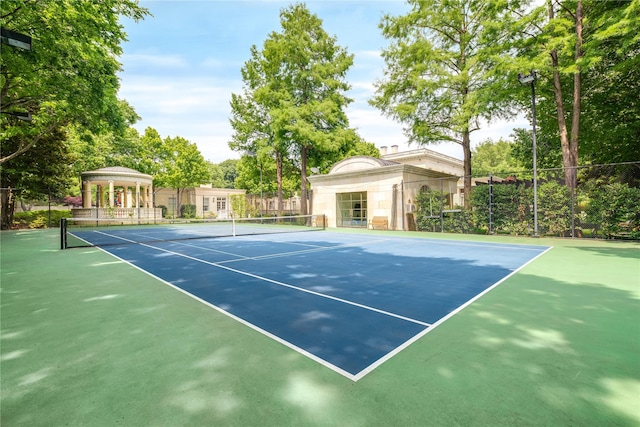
<point>370,368</point>
<point>443,319</point>
<point>313,248</point>
<point>279,283</point>
<point>256,328</point>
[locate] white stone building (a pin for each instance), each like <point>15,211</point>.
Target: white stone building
<point>360,188</point>
<point>209,202</point>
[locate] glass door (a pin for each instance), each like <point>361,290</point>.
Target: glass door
<point>351,209</point>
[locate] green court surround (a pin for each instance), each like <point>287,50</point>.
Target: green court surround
<point>87,340</point>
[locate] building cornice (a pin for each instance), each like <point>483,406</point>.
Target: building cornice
<point>421,152</point>
<point>384,170</point>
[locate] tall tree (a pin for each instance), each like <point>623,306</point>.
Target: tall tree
<point>46,172</point>
<point>181,166</point>
<point>69,76</point>
<point>582,51</point>
<point>491,157</point>
<point>441,75</point>
<point>314,67</point>
<point>294,96</point>
<point>223,174</point>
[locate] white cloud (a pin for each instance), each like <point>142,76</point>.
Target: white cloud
<point>196,109</point>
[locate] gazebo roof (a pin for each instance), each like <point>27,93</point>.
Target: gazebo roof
<point>117,174</point>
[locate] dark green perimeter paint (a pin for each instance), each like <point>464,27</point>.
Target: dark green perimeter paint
<point>87,340</point>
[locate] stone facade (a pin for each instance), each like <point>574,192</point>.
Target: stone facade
<point>362,187</point>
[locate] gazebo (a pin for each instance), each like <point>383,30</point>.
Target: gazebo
<point>119,193</point>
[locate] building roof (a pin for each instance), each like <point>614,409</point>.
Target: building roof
<point>356,163</point>
<point>116,174</point>
<point>419,153</point>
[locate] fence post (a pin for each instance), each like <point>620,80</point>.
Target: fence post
<point>490,203</point>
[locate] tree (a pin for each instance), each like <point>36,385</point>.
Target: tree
<point>108,148</point>
<point>70,76</point>
<point>47,171</point>
<point>442,75</point>
<point>229,170</point>
<point>181,166</point>
<point>573,48</point>
<point>491,157</point>
<point>548,151</point>
<point>292,108</point>
<point>67,79</point>
<point>251,120</point>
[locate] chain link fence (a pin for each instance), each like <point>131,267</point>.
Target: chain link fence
<point>605,203</point>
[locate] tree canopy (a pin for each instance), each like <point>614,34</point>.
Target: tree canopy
<point>494,157</point>
<point>441,76</point>
<point>66,82</point>
<point>292,106</point>
<point>69,76</point>
<point>584,52</point>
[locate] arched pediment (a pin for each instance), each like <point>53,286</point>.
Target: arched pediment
<point>357,163</point>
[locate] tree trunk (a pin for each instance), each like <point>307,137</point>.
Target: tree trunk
<point>577,99</point>
<point>560,112</point>
<point>569,144</point>
<point>7,209</point>
<point>303,180</point>
<point>466,149</point>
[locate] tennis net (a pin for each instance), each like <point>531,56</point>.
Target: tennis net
<point>87,232</point>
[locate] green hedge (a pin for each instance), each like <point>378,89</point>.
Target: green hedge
<point>610,210</point>
<point>39,219</point>
<point>188,211</point>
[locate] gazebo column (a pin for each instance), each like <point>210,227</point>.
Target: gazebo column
<point>111,195</point>
<point>99,200</point>
<point>86,194</point>
<point>145,196</point>
<point>127,197</point>
<point>137,199</point>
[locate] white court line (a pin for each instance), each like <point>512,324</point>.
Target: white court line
<point>276,282</point>
<point>239,257</point>
<point>416,337</point>
<point>276,338</point>
<point>316,249</point>
<point>377,363</point>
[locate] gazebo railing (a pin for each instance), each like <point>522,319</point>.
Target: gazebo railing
<point>118,213</point>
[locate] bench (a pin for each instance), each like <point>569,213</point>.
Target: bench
<point>379,221</point>
<point>624,230</point>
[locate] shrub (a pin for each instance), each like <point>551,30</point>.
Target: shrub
<point>75,201</point>
<point>188,211</point>
<point>39,219</point>
<point>554,209</point>
<point>616,209</point>
<point>508,208</point>
<point>429,205</point>
<point>458,222</point>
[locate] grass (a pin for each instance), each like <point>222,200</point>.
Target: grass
<point>87,340</point>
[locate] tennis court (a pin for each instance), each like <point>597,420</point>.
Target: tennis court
<point>347,301</point>
<point>322,328</point>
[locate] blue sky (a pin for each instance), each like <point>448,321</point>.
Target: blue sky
<point>181,65</point>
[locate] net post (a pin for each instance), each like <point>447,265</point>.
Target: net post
<point>233,227</point>
<point>63,233</point>
<point>324,221</point>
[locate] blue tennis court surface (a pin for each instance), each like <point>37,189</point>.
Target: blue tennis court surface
<point>349,301</point>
